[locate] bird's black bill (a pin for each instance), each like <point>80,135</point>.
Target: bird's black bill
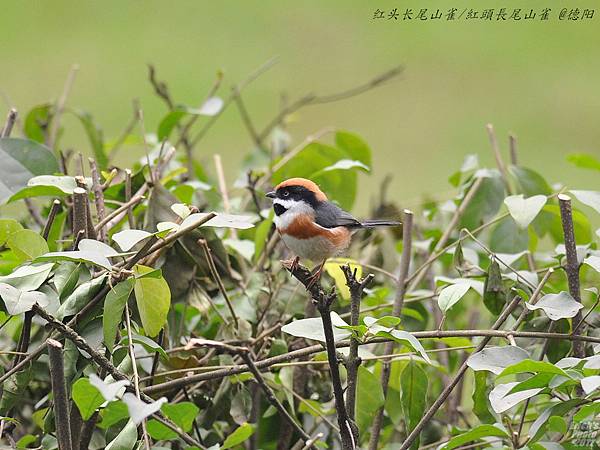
<point>270,194</point>
<point>279,209</point>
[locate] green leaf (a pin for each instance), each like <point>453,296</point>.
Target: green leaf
<point>313,328</point>
<point>589,198</point>
<point>496,359</point>
<point>18,302</point>
<point>414,396</point>
<point>159,432</point>
<point>94,134</point>
<point>539,426</point>
<point>451,294</point>
<point>480,398</point>
<point>530,182</point>
<point>37,121</point>
<point>354,146</point>
<point>335,272</point>
<point>182,414</point>
<point>84,256</point>
<point>113,413</point>
<point>211,107</point>
<point>47,186</point>
<point>586,411</point>
<point>7,228</point>
<point>502,399</point>
<point>494,294</point>
<point>475,434</point>
<point>153,299</point>
<point>80,297</point>
<point>87,398</point>
<point>126,439</point>
<point>28,277</point>
<point>369,397</point>
<point>532,366</point>
<point>557,424</point>
<point>66,277</point>
<point>127,239</point>
<point>402,337</point>
<point>557,306</point>
<point>241,434</point>
<point>524,210</point>
<point>22,159</point>
<point>590,384</point>
<point>549,221</point>
<point>27,245</point>
<point>507,237</point>
<point>114,304</point>
<point>485,203</point>
<point>168,122</point>
<point>584,161</point>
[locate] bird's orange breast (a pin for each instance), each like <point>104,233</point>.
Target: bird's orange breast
<point>304,227</point>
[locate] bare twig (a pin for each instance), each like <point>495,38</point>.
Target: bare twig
<point>60,106</point>
<point>512,141</point>
<point>407,225</point>
<point>98,197</point>
<point>499,161</point>
<point>217,278</point>
<point>50,220</point>
<point>572,266</point>
<point>353,361</point>
<point>130,218</point>
<point>79,221</point>
<point>11,118</point>
<point>121,210</point>
<point>59,391</point>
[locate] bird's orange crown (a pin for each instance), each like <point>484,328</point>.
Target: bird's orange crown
<point>310,185</point>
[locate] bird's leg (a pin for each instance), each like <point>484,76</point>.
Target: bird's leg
<point>316,276</point>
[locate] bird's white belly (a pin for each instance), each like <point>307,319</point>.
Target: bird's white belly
<point>317,248</point>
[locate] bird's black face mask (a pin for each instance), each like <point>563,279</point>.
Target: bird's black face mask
<point>279,209</point>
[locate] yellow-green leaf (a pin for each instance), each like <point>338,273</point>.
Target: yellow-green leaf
<point>153,299</point>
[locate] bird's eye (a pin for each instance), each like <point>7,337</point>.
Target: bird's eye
<point>286,193</point>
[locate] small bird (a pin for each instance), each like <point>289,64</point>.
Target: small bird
<point>311,226</point>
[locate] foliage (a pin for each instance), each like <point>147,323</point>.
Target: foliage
<point>168,306</point>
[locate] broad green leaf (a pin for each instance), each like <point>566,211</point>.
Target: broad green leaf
<point>241,434</point>
<point>109,391</point>
<point>237,221</point>
<point>7,228</point>
<point>153,299</point>
<point>87,398</point>
<point>557,424</point>
<point>210,107</point>
<point>451,294</point>
<point>402,337</point>
<point>529,181</point>
<point>18,302</point>
<point>584,161</point>
<point>414,396</point>
<point>485,203</point>
<point>243,247</point>
<point>354,146</point>
<point>502,400</point>
<point>538,428</point>
<point>481,394</point>
<point>557,306</point>
<point>127,239</point>
<point>94,134</point>
<point>369,397</point>
<point>139,409</point>
<point>28,277</point>
<point>37,121</point>
<point>22,160</point>
<point>540,380</point>
<point>94,246</point>
<point>532,366</point>
<point>114,413</point>
<point>159,432</point>
<point>48,186</point>
<point>114,304</point>
<point>335,272</point>
<point>313,328</point>
<point>593,261</point>
<point>590,384</point>
<point>344,164</point>
<point>494,294</point>
<point>126,438</point>
<point>66,277</point>
<point>549,220</point>
<point>589,198</point>
<point>507,237</point>
<point>524,210</point>
<point>182,414</point>
<point>84,256</point>
<point>27,244</point>
<point>586,411</point>
<point>475,434</point>
<point>80,297</point>
<point>13,390</point>
<point>496,359</point>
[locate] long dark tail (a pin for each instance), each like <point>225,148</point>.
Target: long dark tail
<point>379,223</point>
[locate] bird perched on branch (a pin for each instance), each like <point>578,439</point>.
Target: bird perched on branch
<point>311,226</point>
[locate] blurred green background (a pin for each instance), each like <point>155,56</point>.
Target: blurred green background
<point>536,79</point>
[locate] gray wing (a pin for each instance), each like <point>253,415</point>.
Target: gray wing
<point>329,215</point>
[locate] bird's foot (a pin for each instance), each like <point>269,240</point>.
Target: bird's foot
<point>291,264</point>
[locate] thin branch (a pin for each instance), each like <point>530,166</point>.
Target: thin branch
<point>50,220</point>
<point>121,210</point>
<point>572,266</point>
<point>217,278</point>
<point>79,222</point>
<point>414,434</point>
<point>98,197</point>
<point>60,106</point>
<point>60,395</point>
<point>11,118</point>
<point>353,361</point>
<point>497,155</point>
<point>512,142</point>
<point>407,225</point>
<point>439,246</point>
